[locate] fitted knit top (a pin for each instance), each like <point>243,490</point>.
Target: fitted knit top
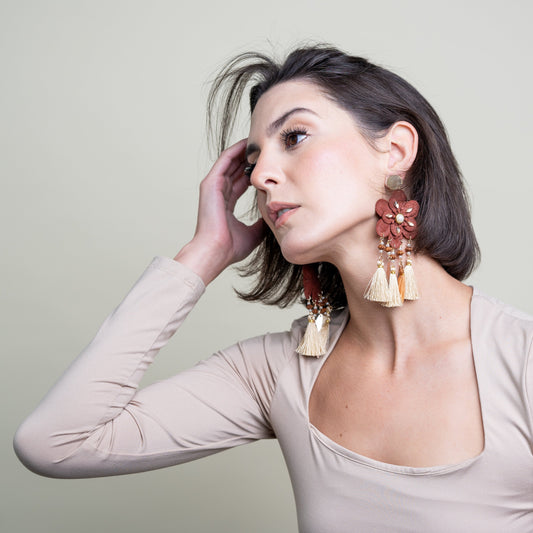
<point>95,421</point>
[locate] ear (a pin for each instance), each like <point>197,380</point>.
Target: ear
<point>402,146</point>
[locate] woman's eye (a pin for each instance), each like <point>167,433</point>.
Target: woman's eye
<point>292,138</point>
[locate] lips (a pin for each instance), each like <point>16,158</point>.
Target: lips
<point>279,212</point>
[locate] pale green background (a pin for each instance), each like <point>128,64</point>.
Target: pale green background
<point>103,146</point>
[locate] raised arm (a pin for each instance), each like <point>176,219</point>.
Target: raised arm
<point>94,421</point>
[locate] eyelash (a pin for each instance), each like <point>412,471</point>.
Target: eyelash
<point>285,135</point>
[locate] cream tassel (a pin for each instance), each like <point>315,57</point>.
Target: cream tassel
<point>411,290</point>
<point>316,336</point>
<point>395,298</point>
<point>315,340</point>
<point>323,333</point>
<point>378,288</point>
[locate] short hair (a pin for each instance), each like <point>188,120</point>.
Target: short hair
<point>376,98</point>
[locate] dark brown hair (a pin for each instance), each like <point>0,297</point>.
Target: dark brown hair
<point>376,98</point>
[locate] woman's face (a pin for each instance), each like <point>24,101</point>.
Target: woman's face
<point>317,178</point>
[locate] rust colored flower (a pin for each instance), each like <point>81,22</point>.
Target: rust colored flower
<point>397,218</point>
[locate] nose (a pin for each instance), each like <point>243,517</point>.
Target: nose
<point>266,174</point>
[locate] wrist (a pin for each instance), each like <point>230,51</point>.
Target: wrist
<point>203,259</point>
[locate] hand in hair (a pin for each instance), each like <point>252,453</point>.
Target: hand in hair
<point>220,239</point>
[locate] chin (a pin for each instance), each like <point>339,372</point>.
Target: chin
<point>300,252</point>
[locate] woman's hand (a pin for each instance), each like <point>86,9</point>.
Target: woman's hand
<point>220,239</point>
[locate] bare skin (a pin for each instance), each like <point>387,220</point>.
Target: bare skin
<point>400,385</point>
<point>404,391</point>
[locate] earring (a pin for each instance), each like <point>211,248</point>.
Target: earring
<point>396,225</point>
<point>411,290</point>
<point>316,336</point>
<point>378,288</point>
<point>394,182</point>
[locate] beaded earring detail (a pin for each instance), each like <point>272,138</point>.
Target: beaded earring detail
<point>395,225</point>
<point>315,340</point>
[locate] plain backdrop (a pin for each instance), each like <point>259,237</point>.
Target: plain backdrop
<point>103,145</point>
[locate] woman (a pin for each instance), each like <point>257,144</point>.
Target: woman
<point>413,414</point>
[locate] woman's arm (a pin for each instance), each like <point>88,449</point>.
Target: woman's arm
<point>94,422</point>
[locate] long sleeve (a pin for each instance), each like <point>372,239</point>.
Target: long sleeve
<point>95,421</point>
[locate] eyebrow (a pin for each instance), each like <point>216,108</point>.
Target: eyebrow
<point>278,123</point>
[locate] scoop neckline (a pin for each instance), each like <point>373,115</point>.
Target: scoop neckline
<point>353,456</point>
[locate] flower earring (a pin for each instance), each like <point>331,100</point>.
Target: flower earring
<point>396,228</point>
<point>315,340</point>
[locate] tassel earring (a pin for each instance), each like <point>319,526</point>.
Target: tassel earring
<point>396,223</point>
<point>395,297</point>
<point>411,290</point>
<point>315,340</point>
<point>378,288</point>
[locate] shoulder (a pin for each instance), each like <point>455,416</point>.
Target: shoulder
<point>501,323</point>
<point>257,362</point>
<point>262,359</point>
<point>494,305</point>
<point>502,339</point>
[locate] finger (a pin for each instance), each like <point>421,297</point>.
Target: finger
<point>239,163</point>
<point>237,175</point>
<point>240,186</point>
<point>226,169</point>
<point>236,169</point>
<point>233,180</point>
<point>231,157</point>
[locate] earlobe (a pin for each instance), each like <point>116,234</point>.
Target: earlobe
<point>403,145</point>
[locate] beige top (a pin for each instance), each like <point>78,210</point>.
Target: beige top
<point>94,421</point>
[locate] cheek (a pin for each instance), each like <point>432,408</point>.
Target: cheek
<point>322,162</point>
<point>335,159</point>
<point>332,178</point>
<point>345,173</point>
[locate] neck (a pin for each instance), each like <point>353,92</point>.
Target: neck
<point>440,315</point>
